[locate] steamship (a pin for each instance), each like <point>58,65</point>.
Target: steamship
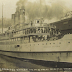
<point>38,40</point>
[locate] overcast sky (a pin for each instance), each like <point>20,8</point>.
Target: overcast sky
<point>10,6</point>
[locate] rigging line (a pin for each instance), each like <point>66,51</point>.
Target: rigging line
<point>40,8</point>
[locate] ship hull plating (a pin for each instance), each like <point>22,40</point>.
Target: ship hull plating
<point>58,50</point>
<point>45,56</point>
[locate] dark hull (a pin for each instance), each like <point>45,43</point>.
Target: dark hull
<point>52,64</point>
<point>58,57</point>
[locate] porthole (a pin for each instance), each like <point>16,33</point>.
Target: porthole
<point>38,44</point>
<point>53,43</point>
<point>68,42</point>
<point>18,45</point>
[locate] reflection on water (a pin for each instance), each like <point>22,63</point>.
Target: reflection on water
<point>8,64</point>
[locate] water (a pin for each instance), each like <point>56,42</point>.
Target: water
<point>8,64</point>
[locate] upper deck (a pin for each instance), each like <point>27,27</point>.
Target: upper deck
<point>36,28</point>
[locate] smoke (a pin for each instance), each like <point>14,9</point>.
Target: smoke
<point>21,4</point>
<point>48,11</point>
<point>50,20</point>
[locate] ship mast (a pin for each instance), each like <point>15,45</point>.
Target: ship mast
<point>2,17</point>
<point>40,8</point>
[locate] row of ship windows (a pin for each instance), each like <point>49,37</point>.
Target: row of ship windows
<point>40,30</point>
<point>49,43</point>
<point>48,53</point>
<point>30,44</point>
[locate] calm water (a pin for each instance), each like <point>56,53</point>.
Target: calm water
<point>8,64</point>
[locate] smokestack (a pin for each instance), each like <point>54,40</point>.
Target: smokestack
<point>22,16</point>
<point>16,18</point>
<point>13,19</point>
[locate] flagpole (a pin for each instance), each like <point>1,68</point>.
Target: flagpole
<point>40,8</point>
<point>2,17</point>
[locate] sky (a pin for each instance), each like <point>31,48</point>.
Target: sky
<point>9,6</point>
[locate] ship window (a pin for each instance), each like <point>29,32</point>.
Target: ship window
<point>7,34</point>
<point>53,43</point>
<point>15,39</point>
<point>23,31</point>
<point>37,21</point>
<point>50,43</point>
<point>18,38</point>
<point>14,32</point>
<point>4,34</point>
<point>17,32</point>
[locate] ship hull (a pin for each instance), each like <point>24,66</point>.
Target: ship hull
<point>45,56</point>
<point>57,51</point>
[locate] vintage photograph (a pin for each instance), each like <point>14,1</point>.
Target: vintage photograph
<point>35,35</point>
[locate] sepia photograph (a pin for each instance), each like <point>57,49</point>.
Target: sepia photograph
<point>35,35</point>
